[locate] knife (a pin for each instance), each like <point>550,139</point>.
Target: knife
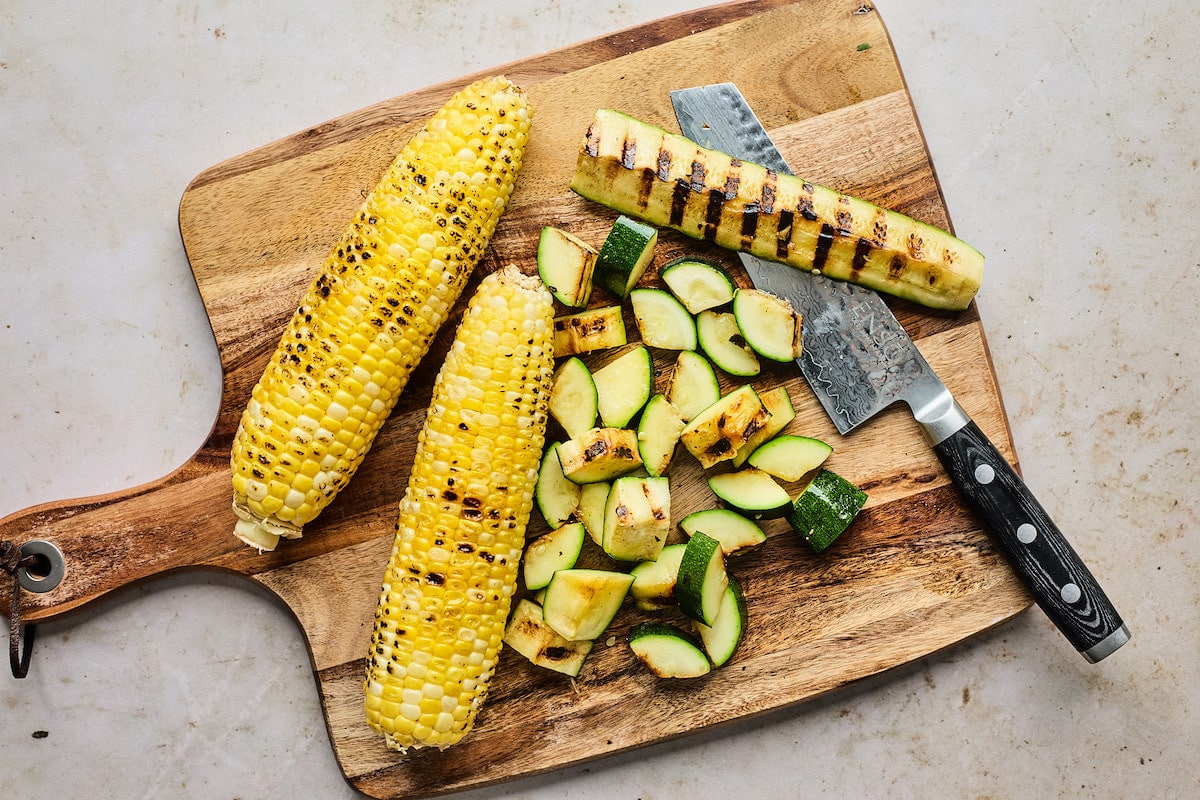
<point>858,360</point>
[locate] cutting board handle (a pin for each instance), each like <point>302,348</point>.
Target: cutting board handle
<point>110,541</point>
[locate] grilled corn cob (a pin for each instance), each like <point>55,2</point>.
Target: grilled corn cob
<point>370,314</point>
<point>461,527</point>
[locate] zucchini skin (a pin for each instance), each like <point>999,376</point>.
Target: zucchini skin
<point>670,181</point>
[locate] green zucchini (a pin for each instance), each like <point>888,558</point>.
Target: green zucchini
<point>668,650</point>
<point>592,499</point>
<point>721,340</point>
<point>790,458</point>
<point>778,403</point>
<point>735,532</point>
<point>550,552</point>
<point>599,454</point>
<point>693,385</point>
<point>595,329</point>
<point>565,264</point>
<point>825,509</point>
<point>699,284</point>
<point>751,492</point>
<point>580,603</point>
<point>557,498</point>
<point>528,634</point>
<point>658,434</point>
<point>721,639</point>
<point>769,324</point>
<point>671,182</point>
<point>573,401</point>
<point>702,578</point>
<point>653,585</point>
<point>716,433</point>
<point>662,320</point>
<point>637,518</point>
<point>623,386</point>
<point>627,251</point>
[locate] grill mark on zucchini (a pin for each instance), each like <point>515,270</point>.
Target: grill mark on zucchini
<point>862,249</point>
<point>783,233</point>
<point>824,242</point>
<point>804,203</point>
<point>749,223</point>
<point>679,198</point>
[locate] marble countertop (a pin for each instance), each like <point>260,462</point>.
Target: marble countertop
<point>1067,141</point>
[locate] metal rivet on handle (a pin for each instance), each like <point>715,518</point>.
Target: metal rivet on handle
<point>1026,533</point>
<point>1070,593</point>
<point>47,572</point>
<point>984,474</point>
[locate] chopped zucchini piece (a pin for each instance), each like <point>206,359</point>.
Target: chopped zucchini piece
<point>592,499</point>
<point>586,331</point>
<point>721,639</point>
<point>658,434</point>
<point>600,454</point>
<point>702,578</point>
<point>734,531</point>
<point>627,251</point>
<point>716,433</point>
<point>557,498</point>
<point>790,458</point>
<point>825,509</point>
<point>699,284</point>
<point>550,552</point>
<point>768,323</point>
<point>779,405</point>
<point>528,634</point>
<point>751,492</point>
<point>580,603</point>
<point>573,402</point>
<point>662,320</point>
<point>668,650</point>
<point>565,264</point>
<point>693,385</point>
<point>623,386</point>
<point>653,585</point>
<point>722,341</point>
<point>637,518</point>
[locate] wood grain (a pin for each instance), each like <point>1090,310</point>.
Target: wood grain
<point>915,574</point>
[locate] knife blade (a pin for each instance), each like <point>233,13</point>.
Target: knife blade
<point>858,360</point>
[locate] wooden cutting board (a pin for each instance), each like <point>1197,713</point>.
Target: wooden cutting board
<point>915,574</point>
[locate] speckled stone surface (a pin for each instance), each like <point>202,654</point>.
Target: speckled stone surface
<point>1067,141</point>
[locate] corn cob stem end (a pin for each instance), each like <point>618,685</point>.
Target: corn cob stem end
<point>263,534</point>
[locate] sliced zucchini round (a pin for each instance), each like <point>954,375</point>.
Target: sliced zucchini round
<point>658,434</point>
<point>693,384</point>
<point>721,639</point>
<point>550,552</point>
<point>580,603</point>
<point>573,401</point>
<point>565,264</point>
<point>790,457</point>
<point>662,320</point>
<point>720,338</point>
<point>668,650</point>
<point>654,581</point>
<point>702,578</point>
<point>768,323</point>
<point>699,284</point>
<point>734,531</point>
<point>623,386</point>
<point>592,499</point>
<point>557,498</point>
<point>627,251</point>
<point>751,492</point>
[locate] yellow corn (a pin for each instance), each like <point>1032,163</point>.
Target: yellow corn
<point>369,316</point>
<point>461,528</point>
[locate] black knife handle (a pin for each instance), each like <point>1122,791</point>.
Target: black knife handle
<point>1033,544</point>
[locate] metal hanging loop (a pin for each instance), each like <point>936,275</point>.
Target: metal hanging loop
<point>36,566</point>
